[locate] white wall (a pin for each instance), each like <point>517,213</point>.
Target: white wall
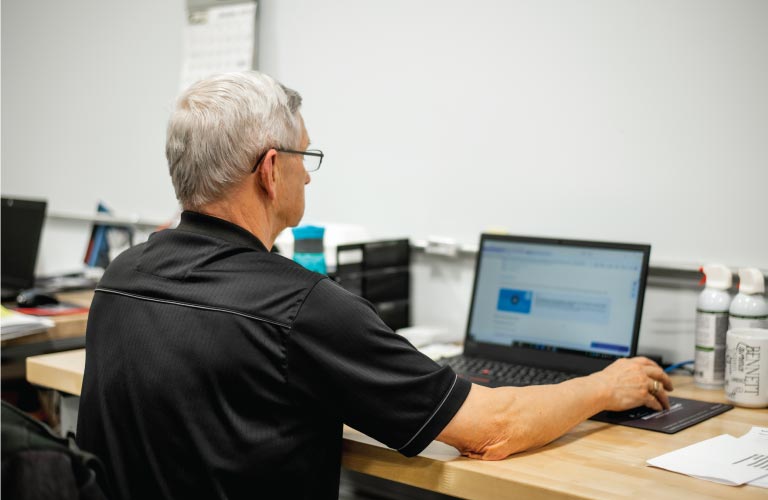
<point>641,121</point>
<point>87,87</point>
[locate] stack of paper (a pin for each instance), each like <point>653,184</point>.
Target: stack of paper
<point>723,459</point>
<point>14,324</point>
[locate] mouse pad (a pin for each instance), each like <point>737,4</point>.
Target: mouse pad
<point>682,413</point>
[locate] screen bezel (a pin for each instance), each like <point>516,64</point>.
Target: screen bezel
<point>572,362</point>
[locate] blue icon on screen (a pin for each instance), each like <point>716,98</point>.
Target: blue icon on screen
<point>516,301</point>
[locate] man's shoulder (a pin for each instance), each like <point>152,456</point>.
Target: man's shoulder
<point>329,299</point>
<point>182,256</point>
<point>126,258</point>
<point>329,289</point>
<point>275,265</point>
<point>226,277</point>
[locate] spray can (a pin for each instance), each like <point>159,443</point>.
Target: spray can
<point>749,308</point>
<point>711,327</point>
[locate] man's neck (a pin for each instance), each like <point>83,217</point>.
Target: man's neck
<point>254,219</point>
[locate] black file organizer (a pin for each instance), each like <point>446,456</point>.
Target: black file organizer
<point>379,271</point>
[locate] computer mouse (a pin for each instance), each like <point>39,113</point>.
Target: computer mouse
<point>34,297</point>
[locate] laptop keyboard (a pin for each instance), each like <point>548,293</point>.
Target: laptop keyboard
<point>498,373</point>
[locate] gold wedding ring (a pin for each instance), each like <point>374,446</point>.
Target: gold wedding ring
<point>654,388</point>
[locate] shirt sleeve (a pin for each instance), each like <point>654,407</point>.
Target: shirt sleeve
<point>343,358</point>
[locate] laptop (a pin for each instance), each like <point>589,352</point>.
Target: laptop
<point>544,310</point>
<point>22,226</point>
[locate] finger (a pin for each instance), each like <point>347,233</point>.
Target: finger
<point>656,373</point>
<point>653,403</point>
<point>663,398</point>
<point>656,390</point>
<point>645,361</point>
<point>666,381</point>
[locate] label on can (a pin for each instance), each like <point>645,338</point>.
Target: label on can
<point>709,366</point>
<point>709,359</point>
<point>746,368</point>
<point>744,322</point>
<point>711,328</point>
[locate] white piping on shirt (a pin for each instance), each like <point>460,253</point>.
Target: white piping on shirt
<point>194,306</point>
<point>433,414</point>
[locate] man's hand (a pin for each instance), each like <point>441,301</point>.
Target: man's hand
<point>495,423</point>
<point>632,382</point>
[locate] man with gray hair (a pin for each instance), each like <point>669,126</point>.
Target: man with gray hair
<point>218,369</point>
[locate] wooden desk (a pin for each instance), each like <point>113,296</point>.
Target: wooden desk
<point>594,460</point>
<point>62,371</point>
<point>68,326</point>
<point>67,333</point>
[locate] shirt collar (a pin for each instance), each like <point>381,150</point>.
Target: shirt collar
<point>208,225</point>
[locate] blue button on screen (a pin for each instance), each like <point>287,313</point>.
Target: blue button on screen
<point>516,301</point>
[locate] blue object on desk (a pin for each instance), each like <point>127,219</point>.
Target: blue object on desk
<point>677,366</point>
<point>98,248</point>
<point>308,249</point>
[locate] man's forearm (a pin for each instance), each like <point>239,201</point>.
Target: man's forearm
<point>495,423</point>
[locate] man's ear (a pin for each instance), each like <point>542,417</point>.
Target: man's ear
<point>266,174</point>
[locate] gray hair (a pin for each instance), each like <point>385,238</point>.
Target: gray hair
<point>221,126</point>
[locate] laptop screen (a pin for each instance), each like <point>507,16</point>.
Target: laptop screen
<point>568,297</point>
<point>22,225</point>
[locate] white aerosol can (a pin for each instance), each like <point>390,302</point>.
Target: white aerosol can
<point>749,308</point>
<point>712,326</point>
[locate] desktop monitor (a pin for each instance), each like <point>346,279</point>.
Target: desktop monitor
<point>22,225</point>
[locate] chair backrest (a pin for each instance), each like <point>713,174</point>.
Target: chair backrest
<point>37,464</point>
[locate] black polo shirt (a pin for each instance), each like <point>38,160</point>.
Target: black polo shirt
<point>216,369</point>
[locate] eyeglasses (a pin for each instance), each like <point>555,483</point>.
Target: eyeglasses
<point>313,158</point>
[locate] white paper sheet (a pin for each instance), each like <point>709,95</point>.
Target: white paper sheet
<point>758,436</point>
<point>723,459</point>
<point>436,450</point>
<point>217,40</point>
<point>15,324</point>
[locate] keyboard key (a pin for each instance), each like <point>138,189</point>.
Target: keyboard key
<point>497,373</point>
